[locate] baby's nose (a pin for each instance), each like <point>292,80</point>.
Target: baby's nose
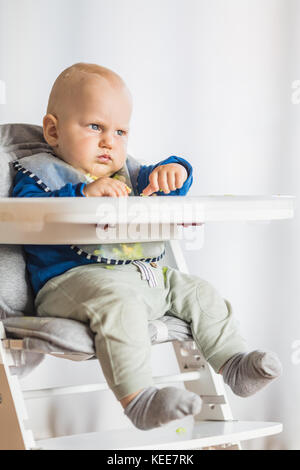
<point>106,140</point>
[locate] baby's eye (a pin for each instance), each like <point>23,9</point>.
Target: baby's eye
<point>120,132</point>
<point>95,127</point>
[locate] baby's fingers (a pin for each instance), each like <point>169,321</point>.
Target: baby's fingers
<point>110,191</point>
<point>163,181</point>
<point>148,190</point>
<point>153,184</point>
<point>120,188</point>
<point>179,180</point>
<point>172,181</point>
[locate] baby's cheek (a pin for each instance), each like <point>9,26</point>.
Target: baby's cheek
<point>77,150</point>
<point>119,162</point>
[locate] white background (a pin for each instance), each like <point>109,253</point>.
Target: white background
<point>212,82</point>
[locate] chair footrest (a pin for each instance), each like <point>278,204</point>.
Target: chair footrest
<point>194,435</point>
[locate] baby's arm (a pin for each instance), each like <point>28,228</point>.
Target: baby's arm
<point>170,177</point>
<point>24,186</point>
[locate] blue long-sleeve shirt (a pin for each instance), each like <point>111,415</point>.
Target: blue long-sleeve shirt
<point>47,261</point>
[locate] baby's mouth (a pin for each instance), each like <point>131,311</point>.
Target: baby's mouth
<point>104,158</point>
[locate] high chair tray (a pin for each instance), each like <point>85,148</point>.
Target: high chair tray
<point>82,220</point>
<point>193,435</point>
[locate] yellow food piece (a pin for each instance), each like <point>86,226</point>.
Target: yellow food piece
<point>120,178</point>
<point>88,175</point>
<point>164,271</point>
<point>98,252</point>
<point>132,252</point>
<point>129,252</point>
<point>180,430</point>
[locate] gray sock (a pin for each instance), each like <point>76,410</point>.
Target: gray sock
<point>153,407</point>
<point>246,374</point>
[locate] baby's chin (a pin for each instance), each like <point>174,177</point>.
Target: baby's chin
<point>106,174</point>
<point>104,171</point>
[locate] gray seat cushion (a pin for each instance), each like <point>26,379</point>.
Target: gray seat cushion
<point>70,339</point>
<point>16,141</point>
<point>60,336</point>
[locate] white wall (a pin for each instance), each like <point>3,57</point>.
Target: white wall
<point>211,82</point>
<point>287,242</point>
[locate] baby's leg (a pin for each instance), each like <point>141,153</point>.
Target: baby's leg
<point>118,319</point>
<point>118,316</point>
<point>217,335</point>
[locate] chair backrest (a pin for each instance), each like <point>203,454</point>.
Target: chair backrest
<point>16,141</point>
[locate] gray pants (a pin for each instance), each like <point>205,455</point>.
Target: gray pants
<point>117,303</point>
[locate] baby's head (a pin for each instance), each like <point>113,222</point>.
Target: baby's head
<point>87,121</point>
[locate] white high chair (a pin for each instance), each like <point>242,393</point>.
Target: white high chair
<point>70,220</point>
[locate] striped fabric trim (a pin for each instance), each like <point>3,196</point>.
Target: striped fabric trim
<point>100,259</point>
<point>147,273</point>
<point>18,167</point>
<point>162,331</point>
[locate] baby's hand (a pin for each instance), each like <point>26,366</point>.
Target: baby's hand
<point>166,178</point>
<point>106,187</point>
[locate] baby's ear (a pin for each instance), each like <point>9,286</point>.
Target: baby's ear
<point>50,130</point>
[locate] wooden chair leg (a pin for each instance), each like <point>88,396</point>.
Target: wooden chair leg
<point>13,414</point>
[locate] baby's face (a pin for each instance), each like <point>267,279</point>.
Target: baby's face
<point>93,129</point>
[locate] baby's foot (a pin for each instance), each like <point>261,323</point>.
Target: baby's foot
<point>154,407</point>
<point>246,374</point>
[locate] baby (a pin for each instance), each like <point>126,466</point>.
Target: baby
<point>117,289</point>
